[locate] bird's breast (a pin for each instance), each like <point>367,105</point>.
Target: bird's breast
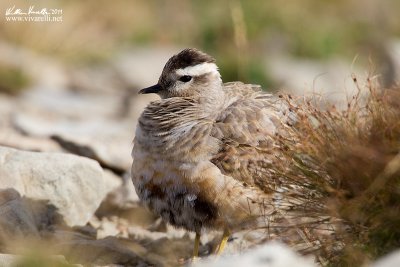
<point>166,188</point>
<point>183,139</point>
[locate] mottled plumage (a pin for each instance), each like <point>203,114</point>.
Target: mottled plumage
<point>201,153</point>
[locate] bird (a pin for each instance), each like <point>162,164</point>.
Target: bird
<point>201,152</point>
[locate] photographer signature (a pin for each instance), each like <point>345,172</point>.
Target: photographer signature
<point>31,11</point>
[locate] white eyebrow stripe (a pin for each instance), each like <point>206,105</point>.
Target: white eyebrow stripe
<point>198,70</point>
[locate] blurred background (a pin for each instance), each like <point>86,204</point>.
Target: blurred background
<point>71,86</point>
<point>72,77</point>
<point>253,41</point>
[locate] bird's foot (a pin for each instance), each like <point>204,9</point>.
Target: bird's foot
<point>222,245</point>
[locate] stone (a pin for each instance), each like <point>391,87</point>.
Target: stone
<point>390,260</point>
<point>81,123</point>
<point>393,52</point>
<point>271,254</point>
<point>8,260</point>
<point>302,77</point>
<point>73,185</point>
<point>45,102</point>
<point>98,78</point>
<point>42,70</point>
<point>141,67</point>
<point>16,220</point>
<point>122,197</point>
<point>110,250</point>
<point>112,181</point>
<point>112,226</point>
<point>10,137</point>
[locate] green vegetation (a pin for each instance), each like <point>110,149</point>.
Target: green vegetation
<point>12,80</point>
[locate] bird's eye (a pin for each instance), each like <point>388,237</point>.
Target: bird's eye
<point>185,78</point>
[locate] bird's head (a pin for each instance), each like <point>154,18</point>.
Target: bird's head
<point>186,74</point>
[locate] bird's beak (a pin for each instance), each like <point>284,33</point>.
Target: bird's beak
<point>152,89</point>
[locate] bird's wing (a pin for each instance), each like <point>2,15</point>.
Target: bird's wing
<point>247,129</point>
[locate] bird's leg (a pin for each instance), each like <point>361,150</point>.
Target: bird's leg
<point>224,240</point>
<point>196,246</point>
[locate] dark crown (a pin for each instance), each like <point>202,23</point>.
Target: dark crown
<point>188,57</point>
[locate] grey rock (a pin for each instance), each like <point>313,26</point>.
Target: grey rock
<point>84,124</point>
<point>109,226</point>
<point>10,137</point>
<point>110,250</point>
<point>73,185</point>
<point>393,52</point>
<point>16,219</point>
<point>8,260</point>
<point>112,181</point>
<point>390,260</point>
<point>96,78</point>
<point>68,105</point>
<point>42,70</point>
<point>122,197</point>
<point>141,67</point>
<point>330,79</point>
<point>268,255</point>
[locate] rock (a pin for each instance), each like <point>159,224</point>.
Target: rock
<point>45,102</point>
<point>112,226</point>
<point>23,220</point>
<point>10,137</point>
<point>82,123</point>
<point>8,260</point>
<point>393,52</point>
<point>331,79</point>
<point>171,251</point>
<point>95,78</point>
<point>141,67</point>
<point>138,233</point>
<point>390,260</point>
<point>268,255</point>
<point>163,247</point>
<point>123,197</point>
<point>128,193</point>
<point>15,140</point>
<point>80,249</point>
<point>74,185</point>
<point>16,220</point>
<point>110,152</point>
<point>112,181</point>
<point>139,215</point>
<point>42,70</point>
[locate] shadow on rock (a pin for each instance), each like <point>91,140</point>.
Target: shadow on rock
<point>24,219</point>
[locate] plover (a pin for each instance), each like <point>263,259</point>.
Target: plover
<point>200,152</point>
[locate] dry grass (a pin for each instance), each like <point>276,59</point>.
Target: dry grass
<point>346,164</point>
